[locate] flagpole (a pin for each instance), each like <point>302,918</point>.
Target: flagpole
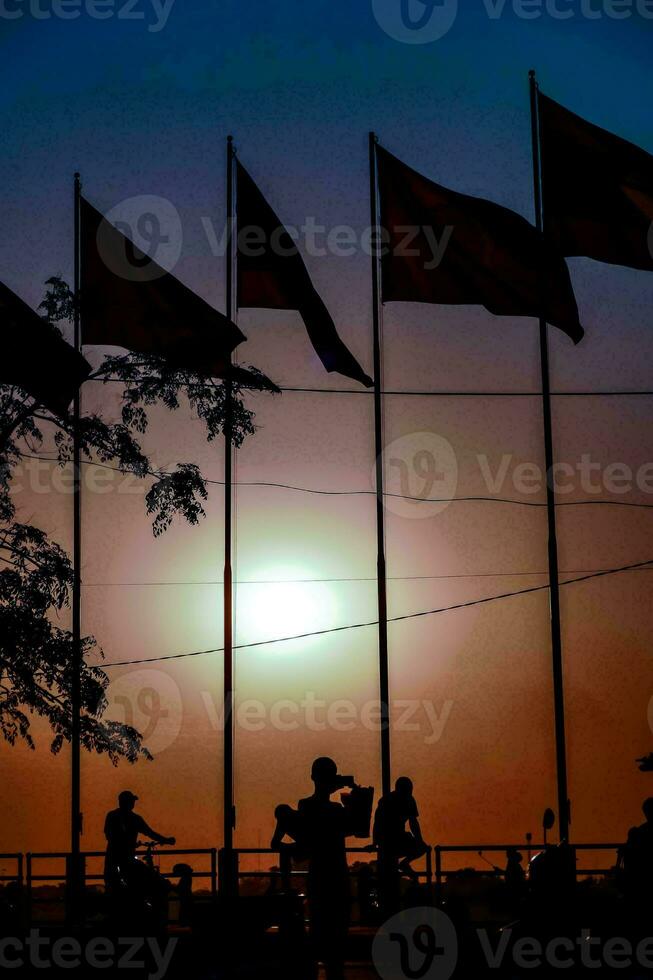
<point>75,686</point>
<point>228,693</point>
<point>554,587</point>
<point>384,682</point>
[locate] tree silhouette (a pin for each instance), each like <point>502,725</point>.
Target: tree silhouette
<point>36,574</point>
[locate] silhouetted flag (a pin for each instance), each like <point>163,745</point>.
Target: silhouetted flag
<point>127,300</point>
<point>598,190</point>
<point>35,357</point>
<point>272,276</point>
<point>446,247</point>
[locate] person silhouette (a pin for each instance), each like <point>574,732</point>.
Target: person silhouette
<point>288,828</point>
<point>514,876</point>
<point>184,892</point>
<point>395,844</point>
<point>121,829</point>
<point>638,860</point>
<point>325,825</point>
<point>288,825</point>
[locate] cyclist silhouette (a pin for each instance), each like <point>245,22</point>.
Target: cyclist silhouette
<point>121,829</point>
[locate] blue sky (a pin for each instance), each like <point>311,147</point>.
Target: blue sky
<point>299,85</point>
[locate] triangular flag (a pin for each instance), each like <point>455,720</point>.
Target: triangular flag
<point>35,357</point>
<point>274,277</point>
<point>129,301</point>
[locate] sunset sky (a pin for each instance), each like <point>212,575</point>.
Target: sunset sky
<point>141,113</point>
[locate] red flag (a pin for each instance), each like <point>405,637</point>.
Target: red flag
<point>35,357</point>
<point>127,300</point>
<point>598,190</point>
<point>449,248</point>
<point>275,278</point>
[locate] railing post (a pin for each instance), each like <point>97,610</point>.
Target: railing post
<point>28,886</point>
<point>429,872</point>
<point>214,872</point>
<point>228,872</point>
<point>75,887</point>
<point>438,875</point>
<point>20,869</point>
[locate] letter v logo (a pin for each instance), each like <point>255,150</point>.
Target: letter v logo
<point>415,21</point>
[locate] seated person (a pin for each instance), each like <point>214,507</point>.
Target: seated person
<point>390,836</point>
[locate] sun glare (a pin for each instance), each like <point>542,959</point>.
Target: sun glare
<point>283,604</point>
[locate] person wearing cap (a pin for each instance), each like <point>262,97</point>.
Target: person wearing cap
<point>121,829</point>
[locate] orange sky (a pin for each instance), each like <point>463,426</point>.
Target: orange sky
<point>481,753</point>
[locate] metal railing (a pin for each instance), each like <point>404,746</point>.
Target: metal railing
<point>31,858</point>
<point>17,876</point>
<point>427,873</point>
<point>434,872</point>
<point>529,848</point>
<point>33,875</point>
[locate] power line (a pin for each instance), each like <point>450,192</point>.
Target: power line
<point>411,393</point>
<point>372,493</point>
<point>335,581</point>
<point>393,619</point>
<point>468,394</point>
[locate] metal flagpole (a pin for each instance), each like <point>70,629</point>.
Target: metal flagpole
<point>554,587</point>
<point>75,686</point>
<point>384,683</point>
<point>228,694</point>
